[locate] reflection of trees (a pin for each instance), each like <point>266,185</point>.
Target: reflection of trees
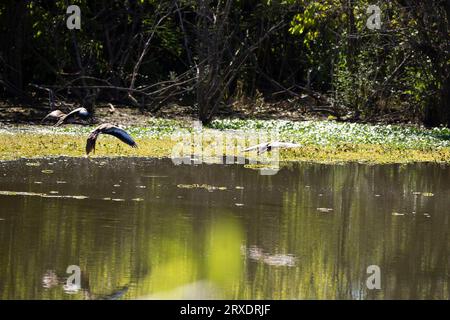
<point>182,239</point>
<point>335,249</point>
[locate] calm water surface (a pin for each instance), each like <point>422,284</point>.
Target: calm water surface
<point>145,228</point>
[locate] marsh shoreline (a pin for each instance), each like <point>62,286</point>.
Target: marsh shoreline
<point>322,141</point>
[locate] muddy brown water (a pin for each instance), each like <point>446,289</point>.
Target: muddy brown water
<point>146,228</point>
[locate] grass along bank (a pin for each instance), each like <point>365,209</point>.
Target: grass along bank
<point>322,141</point>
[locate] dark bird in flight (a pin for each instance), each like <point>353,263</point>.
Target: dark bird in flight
<point>269,146</point>
<point>108,129</point>
<point>63,118</point>
<point>78,112</point>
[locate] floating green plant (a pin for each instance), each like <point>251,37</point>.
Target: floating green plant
<point>322,141</point>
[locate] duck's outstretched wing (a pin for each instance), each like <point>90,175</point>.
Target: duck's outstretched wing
<point>260,147</point>
<point>112,130</point>
<point>54,114</point>
<point>72,114</point>
<point>121,134</point>
<point>263,147</point>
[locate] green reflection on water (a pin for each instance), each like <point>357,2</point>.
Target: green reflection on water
<point>197,243</point>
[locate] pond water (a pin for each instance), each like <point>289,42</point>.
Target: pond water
<point>146,228</point>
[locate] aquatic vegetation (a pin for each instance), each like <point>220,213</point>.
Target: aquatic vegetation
<point>37,144</point>
<point>323,133</point>
<point>55,194</point>
<point>42,195</point>
<point>200,186</point>
<point>33,164</point>
<point>325,210</point>
<point>322,141</point>
<point>278,260</point>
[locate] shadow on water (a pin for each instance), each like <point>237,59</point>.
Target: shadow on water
<point>144,228</point>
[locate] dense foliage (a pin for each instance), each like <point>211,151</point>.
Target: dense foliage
<point>208,54</point>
